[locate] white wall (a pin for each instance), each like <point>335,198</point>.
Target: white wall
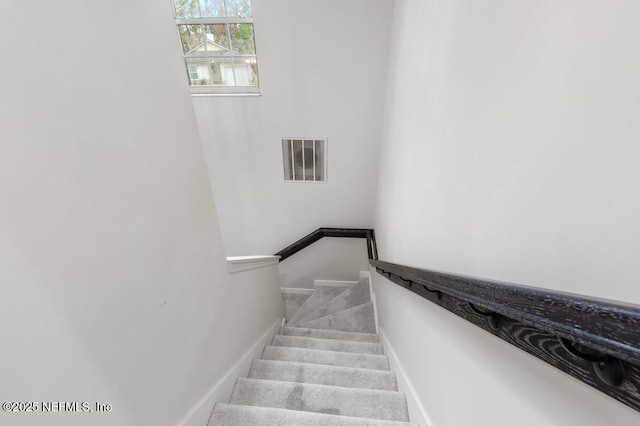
<point>322,71</point>
<point>510,147</point>
<point>112,267</point>
<point>509,152</point>
<point>332,259</point>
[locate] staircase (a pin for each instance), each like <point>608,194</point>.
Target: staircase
<point>325,367</point>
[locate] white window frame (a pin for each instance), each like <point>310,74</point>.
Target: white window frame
<point>218,90</point>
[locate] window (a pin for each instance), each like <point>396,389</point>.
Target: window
<point>193,72</point>
<point>218,45</point>
<point>304,160</point>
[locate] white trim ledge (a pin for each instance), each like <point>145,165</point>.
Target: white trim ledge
<point>293,290</point>
<point>333,283</point>
<point>244,263</point>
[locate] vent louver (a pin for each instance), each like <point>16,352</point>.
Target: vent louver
<point>304,160</point>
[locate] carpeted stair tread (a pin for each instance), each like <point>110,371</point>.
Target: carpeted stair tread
<point>293,302</point>
<point>246,415</point>
<point>327,344</point>
<point>320,296</point>
<point>354,296</point>
<point>359,319</point>
<point>329,334</point>
<point>369,403</point>
<point>325,368</point>
<point>318,374</point>
<point>315,356</point>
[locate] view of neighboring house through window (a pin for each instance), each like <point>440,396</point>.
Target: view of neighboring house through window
<point>193,72</point>
<point>218,45</point>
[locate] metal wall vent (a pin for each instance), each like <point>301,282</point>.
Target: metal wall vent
<point>304,160</point>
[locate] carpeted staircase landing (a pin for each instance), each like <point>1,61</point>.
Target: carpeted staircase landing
<point>325,367</point>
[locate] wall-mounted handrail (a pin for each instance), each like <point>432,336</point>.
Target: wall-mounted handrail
<point>596,341</point>
<point>319,233</point>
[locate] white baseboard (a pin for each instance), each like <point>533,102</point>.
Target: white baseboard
<point>375,312</point>
<point>417,412</point>
<point>366,275</point>
<point>293,290</point>
<point>221,391</point>
<point>332,283</point>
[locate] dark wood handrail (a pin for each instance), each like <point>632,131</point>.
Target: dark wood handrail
<point>319,233</point>
<point>596,341</point>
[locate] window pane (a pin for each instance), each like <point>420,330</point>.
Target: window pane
<point>217,39</point>
<point>242,42</point>
<point>222,73</point>
<point>214,74</point>
<point>199,71</point>
<point>246,71</point>
<point>212,8</point>
<point>240,8</point>
<point>286,159</point>
<point>297,159</point>
<point>186,8</point>
<point>319,160</point>
<point>192,40</point>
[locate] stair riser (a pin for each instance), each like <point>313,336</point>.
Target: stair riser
<point>327,345</point>
<point>330,334</point>
<point>244,415</point>
<point>373,404</point>
<point>323,375</point>
<point>312,356</point>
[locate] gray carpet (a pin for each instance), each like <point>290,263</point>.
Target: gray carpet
<point>292,303</point>
<point>320,296</point>
<point>326,367</point>
<point>359,318</point>
<point>329,334</point>
<point>328,345</point>
<point>244,415</point>
<point>320,374</point>
<point>354,296</point>
<point>369,403</point>
<point>316,356</point>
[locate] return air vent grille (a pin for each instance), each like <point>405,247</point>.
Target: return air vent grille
<point>304,160</point>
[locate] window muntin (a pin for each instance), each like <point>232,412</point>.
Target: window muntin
<point>218,45</point>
